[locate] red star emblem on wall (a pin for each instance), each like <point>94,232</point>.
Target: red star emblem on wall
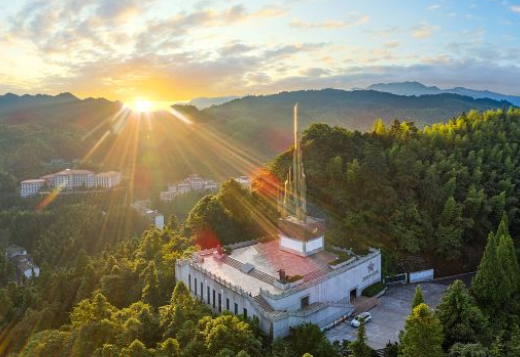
<point>371,267</point>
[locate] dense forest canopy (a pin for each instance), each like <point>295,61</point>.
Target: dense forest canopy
<point>435,193</point>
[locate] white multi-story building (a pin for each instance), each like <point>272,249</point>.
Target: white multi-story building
<point>71,179</point>
<point>31,187</point>
<point>211,185</point>
<point>172,187</point>
<point>196,182</point>
<point>108,179</point>
<point>167,196</point>
<point>191,183</point>
<point>183,187</point>
<point>247,282</point>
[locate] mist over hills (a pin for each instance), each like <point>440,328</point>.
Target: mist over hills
<point>416,88</point>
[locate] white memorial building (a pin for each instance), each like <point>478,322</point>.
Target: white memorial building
<point>286,281</point>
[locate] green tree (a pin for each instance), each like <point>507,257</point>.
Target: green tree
<point>490,286</point>
<point>468,350</point>
<point>151,294</point>
<point>422,335</point>
<point>513,346</point>
<point>359,347</point>
<point>449,232</point>
<point>228,331</point>
<point>506,254</point>
<point>308,338</point>
<point>169,348</point>
<point>136,349</point>
<point>460,317</point>
<point>418,297</point>
<point>89,282</point>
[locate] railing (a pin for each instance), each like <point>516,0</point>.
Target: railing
<point>247,243</point>
<point>269,315</point>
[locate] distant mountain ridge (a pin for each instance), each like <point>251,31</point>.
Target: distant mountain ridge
<point>417,88</point>
<point>263,123</point>
<point>206,102</point>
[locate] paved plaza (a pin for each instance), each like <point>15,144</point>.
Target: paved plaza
<point>389,316</point>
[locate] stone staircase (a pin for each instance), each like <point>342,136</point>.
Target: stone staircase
<point>258,274</point>
<point>262,303</point>
<point>316,273</point>
<point>232,262</point>
<point>363,304</point>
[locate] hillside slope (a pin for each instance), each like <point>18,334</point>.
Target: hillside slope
<point>264,122</point>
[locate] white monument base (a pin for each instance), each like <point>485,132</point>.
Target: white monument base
<point>300,247</point>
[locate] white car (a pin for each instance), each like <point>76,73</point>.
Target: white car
<point>362,318</point>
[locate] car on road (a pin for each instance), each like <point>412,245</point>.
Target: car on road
<point>362,318</point>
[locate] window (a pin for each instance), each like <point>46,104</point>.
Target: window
<point>208,296</point>
<point>214,298</point>
<point>201,290</point>
<point>236,309</point>
<point>304,302</point>
<point>245,312</point>
<point>195,286</point>
<point>189,281</point>
<point>227,304</point>
<point>219,302</point>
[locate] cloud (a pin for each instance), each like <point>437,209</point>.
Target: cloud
<point>472,74</point>
<point>123,49</point>
<point>392,44</point>
<point>329,24</point>
<point>434,7</point>
<point>515,8</point>
<point>424,30</point>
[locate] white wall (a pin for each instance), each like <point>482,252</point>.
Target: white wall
<point>314,244</point>
<point>330,291</point>
<point>291,244</point>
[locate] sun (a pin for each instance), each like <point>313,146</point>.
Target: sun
<point>142,106</point>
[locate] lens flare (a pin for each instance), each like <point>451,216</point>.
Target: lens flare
<point>142,106</point>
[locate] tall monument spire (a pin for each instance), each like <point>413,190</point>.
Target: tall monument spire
<point>299,233</point>
<point>294,201</point>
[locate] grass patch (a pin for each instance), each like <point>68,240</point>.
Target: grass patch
<point>342,257</point>
<point>294,278</point>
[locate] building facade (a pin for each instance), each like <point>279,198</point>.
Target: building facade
<point>108,179</point>
<point>245,283</point>
<point>31,187</point>
<point>70,180</point>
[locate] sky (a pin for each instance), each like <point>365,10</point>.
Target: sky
<point>172,50</point>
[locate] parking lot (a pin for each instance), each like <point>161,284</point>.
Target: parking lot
<point>389,316</point>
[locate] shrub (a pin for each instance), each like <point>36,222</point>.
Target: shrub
<point>373,290</point>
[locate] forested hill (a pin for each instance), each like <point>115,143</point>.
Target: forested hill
<point>434,193</point>
<point>226,140</point>
<point>256,117</point>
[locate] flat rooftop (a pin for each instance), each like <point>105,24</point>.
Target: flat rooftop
<point>34,181</point>
<point>267,259</point>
